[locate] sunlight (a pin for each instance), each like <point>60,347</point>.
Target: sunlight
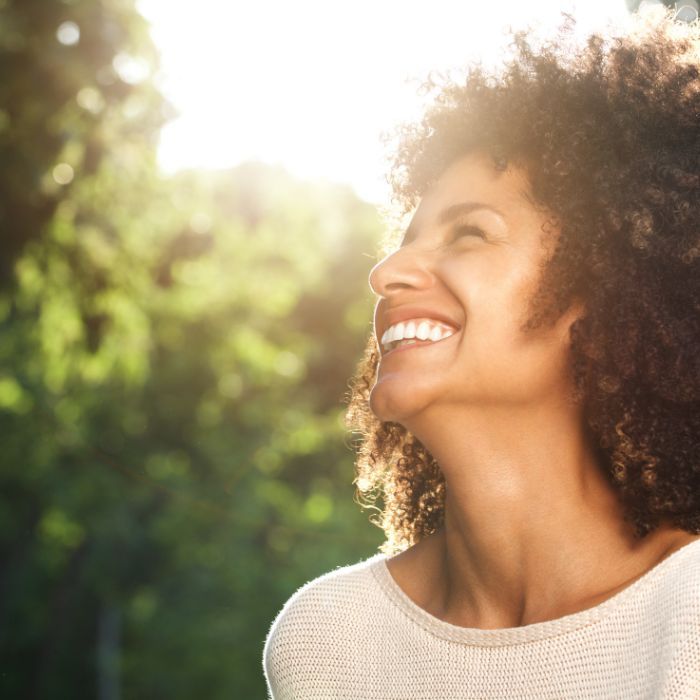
<point>311,85</point>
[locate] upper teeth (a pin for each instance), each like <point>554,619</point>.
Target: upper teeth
<point>421,328</point>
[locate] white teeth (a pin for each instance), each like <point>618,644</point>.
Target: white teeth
<point>409,332</point>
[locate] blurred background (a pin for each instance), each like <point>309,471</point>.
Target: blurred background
<point>191,197</point>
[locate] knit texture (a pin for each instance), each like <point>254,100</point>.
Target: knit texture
<point>353,634</point>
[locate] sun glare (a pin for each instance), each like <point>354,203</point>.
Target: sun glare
<point>311,85</point>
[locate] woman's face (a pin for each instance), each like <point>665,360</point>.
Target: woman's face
<point>457,290</point>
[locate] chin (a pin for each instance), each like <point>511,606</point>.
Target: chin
<point>397,404</point>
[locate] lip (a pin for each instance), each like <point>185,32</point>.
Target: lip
<point>384,318</point>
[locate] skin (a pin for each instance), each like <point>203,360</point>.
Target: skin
<point>533,531</point>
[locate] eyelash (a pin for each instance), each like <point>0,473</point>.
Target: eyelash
<point>460,231</point>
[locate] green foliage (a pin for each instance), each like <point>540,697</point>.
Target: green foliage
<point>68,103</point>
<point>174,355</point>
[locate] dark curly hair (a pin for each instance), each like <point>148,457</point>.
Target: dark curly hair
<point>608,132</point>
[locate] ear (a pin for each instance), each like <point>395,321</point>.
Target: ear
<point>575,312</point>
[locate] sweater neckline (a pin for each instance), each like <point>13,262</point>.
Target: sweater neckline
<point>527,633</point>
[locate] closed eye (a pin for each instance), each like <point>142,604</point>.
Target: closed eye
<point>467,230</point>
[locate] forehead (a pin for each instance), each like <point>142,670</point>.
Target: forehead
<point>475,178</point>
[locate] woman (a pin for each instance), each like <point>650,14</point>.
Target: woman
<point>530,403</point>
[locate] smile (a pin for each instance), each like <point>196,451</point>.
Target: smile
<point>414,330</point>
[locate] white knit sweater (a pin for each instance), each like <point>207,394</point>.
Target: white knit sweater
<point>353,634</point>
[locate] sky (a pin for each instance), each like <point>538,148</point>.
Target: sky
<point>312,84</point>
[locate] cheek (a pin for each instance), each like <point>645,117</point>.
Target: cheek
<point>495,313</point>
<point>498,352</point>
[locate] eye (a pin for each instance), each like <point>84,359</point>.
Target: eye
<point>463,230</point>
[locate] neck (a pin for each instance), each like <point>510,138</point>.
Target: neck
<point>532,527</point>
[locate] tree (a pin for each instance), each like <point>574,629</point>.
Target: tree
<point>175,354</point>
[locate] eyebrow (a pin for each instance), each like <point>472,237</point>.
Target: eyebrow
<point>450,214</point>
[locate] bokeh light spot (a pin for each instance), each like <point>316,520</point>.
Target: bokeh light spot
<point>57,527</point>
<point>318,507</point>
<point>12,396</point>
<point>91,100</point>
<point>288,364</point>
<point>143,605</point>
<point>68,33</point>
<point>131,69</point>
<point>63,174</point>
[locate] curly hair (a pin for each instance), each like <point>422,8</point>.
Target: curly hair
<point>607,131</point>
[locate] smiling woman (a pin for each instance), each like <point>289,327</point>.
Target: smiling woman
<point>530,400</point>
<point>470,267</point>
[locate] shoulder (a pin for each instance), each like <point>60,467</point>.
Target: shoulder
<point>675,620</point>
<point>322,617</point>
<point>666,608</point>
<point>680,584</point>
<point>329,594</point>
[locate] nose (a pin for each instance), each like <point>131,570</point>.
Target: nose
<point>405,269</point>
